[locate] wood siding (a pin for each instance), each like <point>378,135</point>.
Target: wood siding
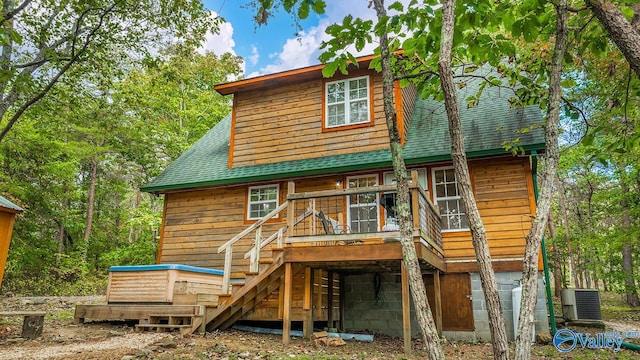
<point>158,286</point>
<point>6,229</point>
<point>505,204</point>
<point>285,123</point>
<point>198,222</point>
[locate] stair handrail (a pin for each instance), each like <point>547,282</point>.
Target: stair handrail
<point>228,246</point>
<point>279,234</point>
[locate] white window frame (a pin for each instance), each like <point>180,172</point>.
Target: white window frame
<point>347,102</point>
<point>390,177</point>
<point>377,204</point>
<point>249,202</point>
<point>437,199</point>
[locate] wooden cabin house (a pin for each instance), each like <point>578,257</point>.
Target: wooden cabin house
<point>292,197</point>
<point>8,212</point>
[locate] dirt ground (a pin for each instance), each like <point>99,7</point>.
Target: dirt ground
<point>62,339</point>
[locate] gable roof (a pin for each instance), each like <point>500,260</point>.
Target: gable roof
<point>4,203</point>
<point>486,127</point>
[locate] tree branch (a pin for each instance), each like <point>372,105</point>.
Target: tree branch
<point>74,58</point>
<point>417,75</point>
<point>10,14</point>
<point>625,35</point>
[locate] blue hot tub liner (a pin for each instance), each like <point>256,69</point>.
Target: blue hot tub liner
<point>167,267</point>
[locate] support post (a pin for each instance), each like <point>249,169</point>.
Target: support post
<point>307,305</point>
<point>330,299</point>
<point>406,309</point>
<point>341,303</point>
<point>291,209</point>
<point>437,301</point>
<point>318,302</point>
<point>255,264</point>
<point>286,318</point>
<point>226,276</point>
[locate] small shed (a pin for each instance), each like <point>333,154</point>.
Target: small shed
<point>8,211</point>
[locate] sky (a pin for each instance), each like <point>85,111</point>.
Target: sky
<point>278,46</point>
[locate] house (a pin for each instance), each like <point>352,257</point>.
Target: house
<point>8,212</point>
<point>292,194</point>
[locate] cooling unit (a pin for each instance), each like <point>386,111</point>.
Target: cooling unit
<point>581,304</point>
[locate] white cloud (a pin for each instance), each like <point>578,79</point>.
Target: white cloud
<point>305,49</point>
<point>255,56</point>
<point>222,41</point>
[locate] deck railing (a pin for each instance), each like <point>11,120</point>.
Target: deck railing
<point>320,218</point>
<point>371,216</point>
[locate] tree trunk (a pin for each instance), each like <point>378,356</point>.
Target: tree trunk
<point>551,156</point>
<point>478,232</point>
<point>630,290</point>
<point>90,201</point>
<point>61,235</point>
<point>620,30</point>
<point>567,235</point>
<point>416,283</point>
<point>557,274</point>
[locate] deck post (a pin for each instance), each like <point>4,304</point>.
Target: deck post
<point>341,303</point>
<point>291,211</point>
<point>330,299</point>
<point>255,259</point>
<point>226,276</point>
<point>406,307</point>
<point>415,200</point>
<point>437,301</point>
<point>307,327</point>
<point>286,316</point>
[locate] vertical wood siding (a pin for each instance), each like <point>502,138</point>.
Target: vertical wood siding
<point>285,123</point>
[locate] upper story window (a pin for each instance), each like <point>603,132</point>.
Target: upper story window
<point>347,102</point>
<point>262,200</point>
<point>447,197</point>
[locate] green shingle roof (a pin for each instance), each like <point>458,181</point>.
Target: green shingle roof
<point>486,126</point>
<point>8,204</point>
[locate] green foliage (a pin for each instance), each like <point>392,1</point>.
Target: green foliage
<point>133,126</point>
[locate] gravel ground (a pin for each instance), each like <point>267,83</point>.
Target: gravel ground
<point>61,339</point>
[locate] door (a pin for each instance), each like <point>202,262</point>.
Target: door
<point>363,208</point>
<point>457,308</point>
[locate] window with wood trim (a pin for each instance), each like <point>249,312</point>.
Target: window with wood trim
<point>262,200</point>
<point>347,102</point>
<point>447,197</point>
<point>362,210</point>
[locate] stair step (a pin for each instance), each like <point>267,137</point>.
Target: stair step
<point>265,261</point>
<point>163,326</point>
<point>174,316</point>
<point>249,273</point>
<point>276,249</point>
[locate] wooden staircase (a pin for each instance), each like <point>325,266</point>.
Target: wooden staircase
<point>187,324</point>
<point>242,299</point>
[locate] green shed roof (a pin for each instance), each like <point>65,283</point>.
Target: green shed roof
<point>8,204</point>
<point>486,127</point>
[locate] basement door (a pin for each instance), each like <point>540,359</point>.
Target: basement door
<point>457,308</point>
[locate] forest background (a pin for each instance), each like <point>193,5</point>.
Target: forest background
<point>118,113</point>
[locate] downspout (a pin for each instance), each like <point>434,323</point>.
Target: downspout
<point>545,261</point>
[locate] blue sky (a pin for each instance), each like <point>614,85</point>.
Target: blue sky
<point>275,47</point>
